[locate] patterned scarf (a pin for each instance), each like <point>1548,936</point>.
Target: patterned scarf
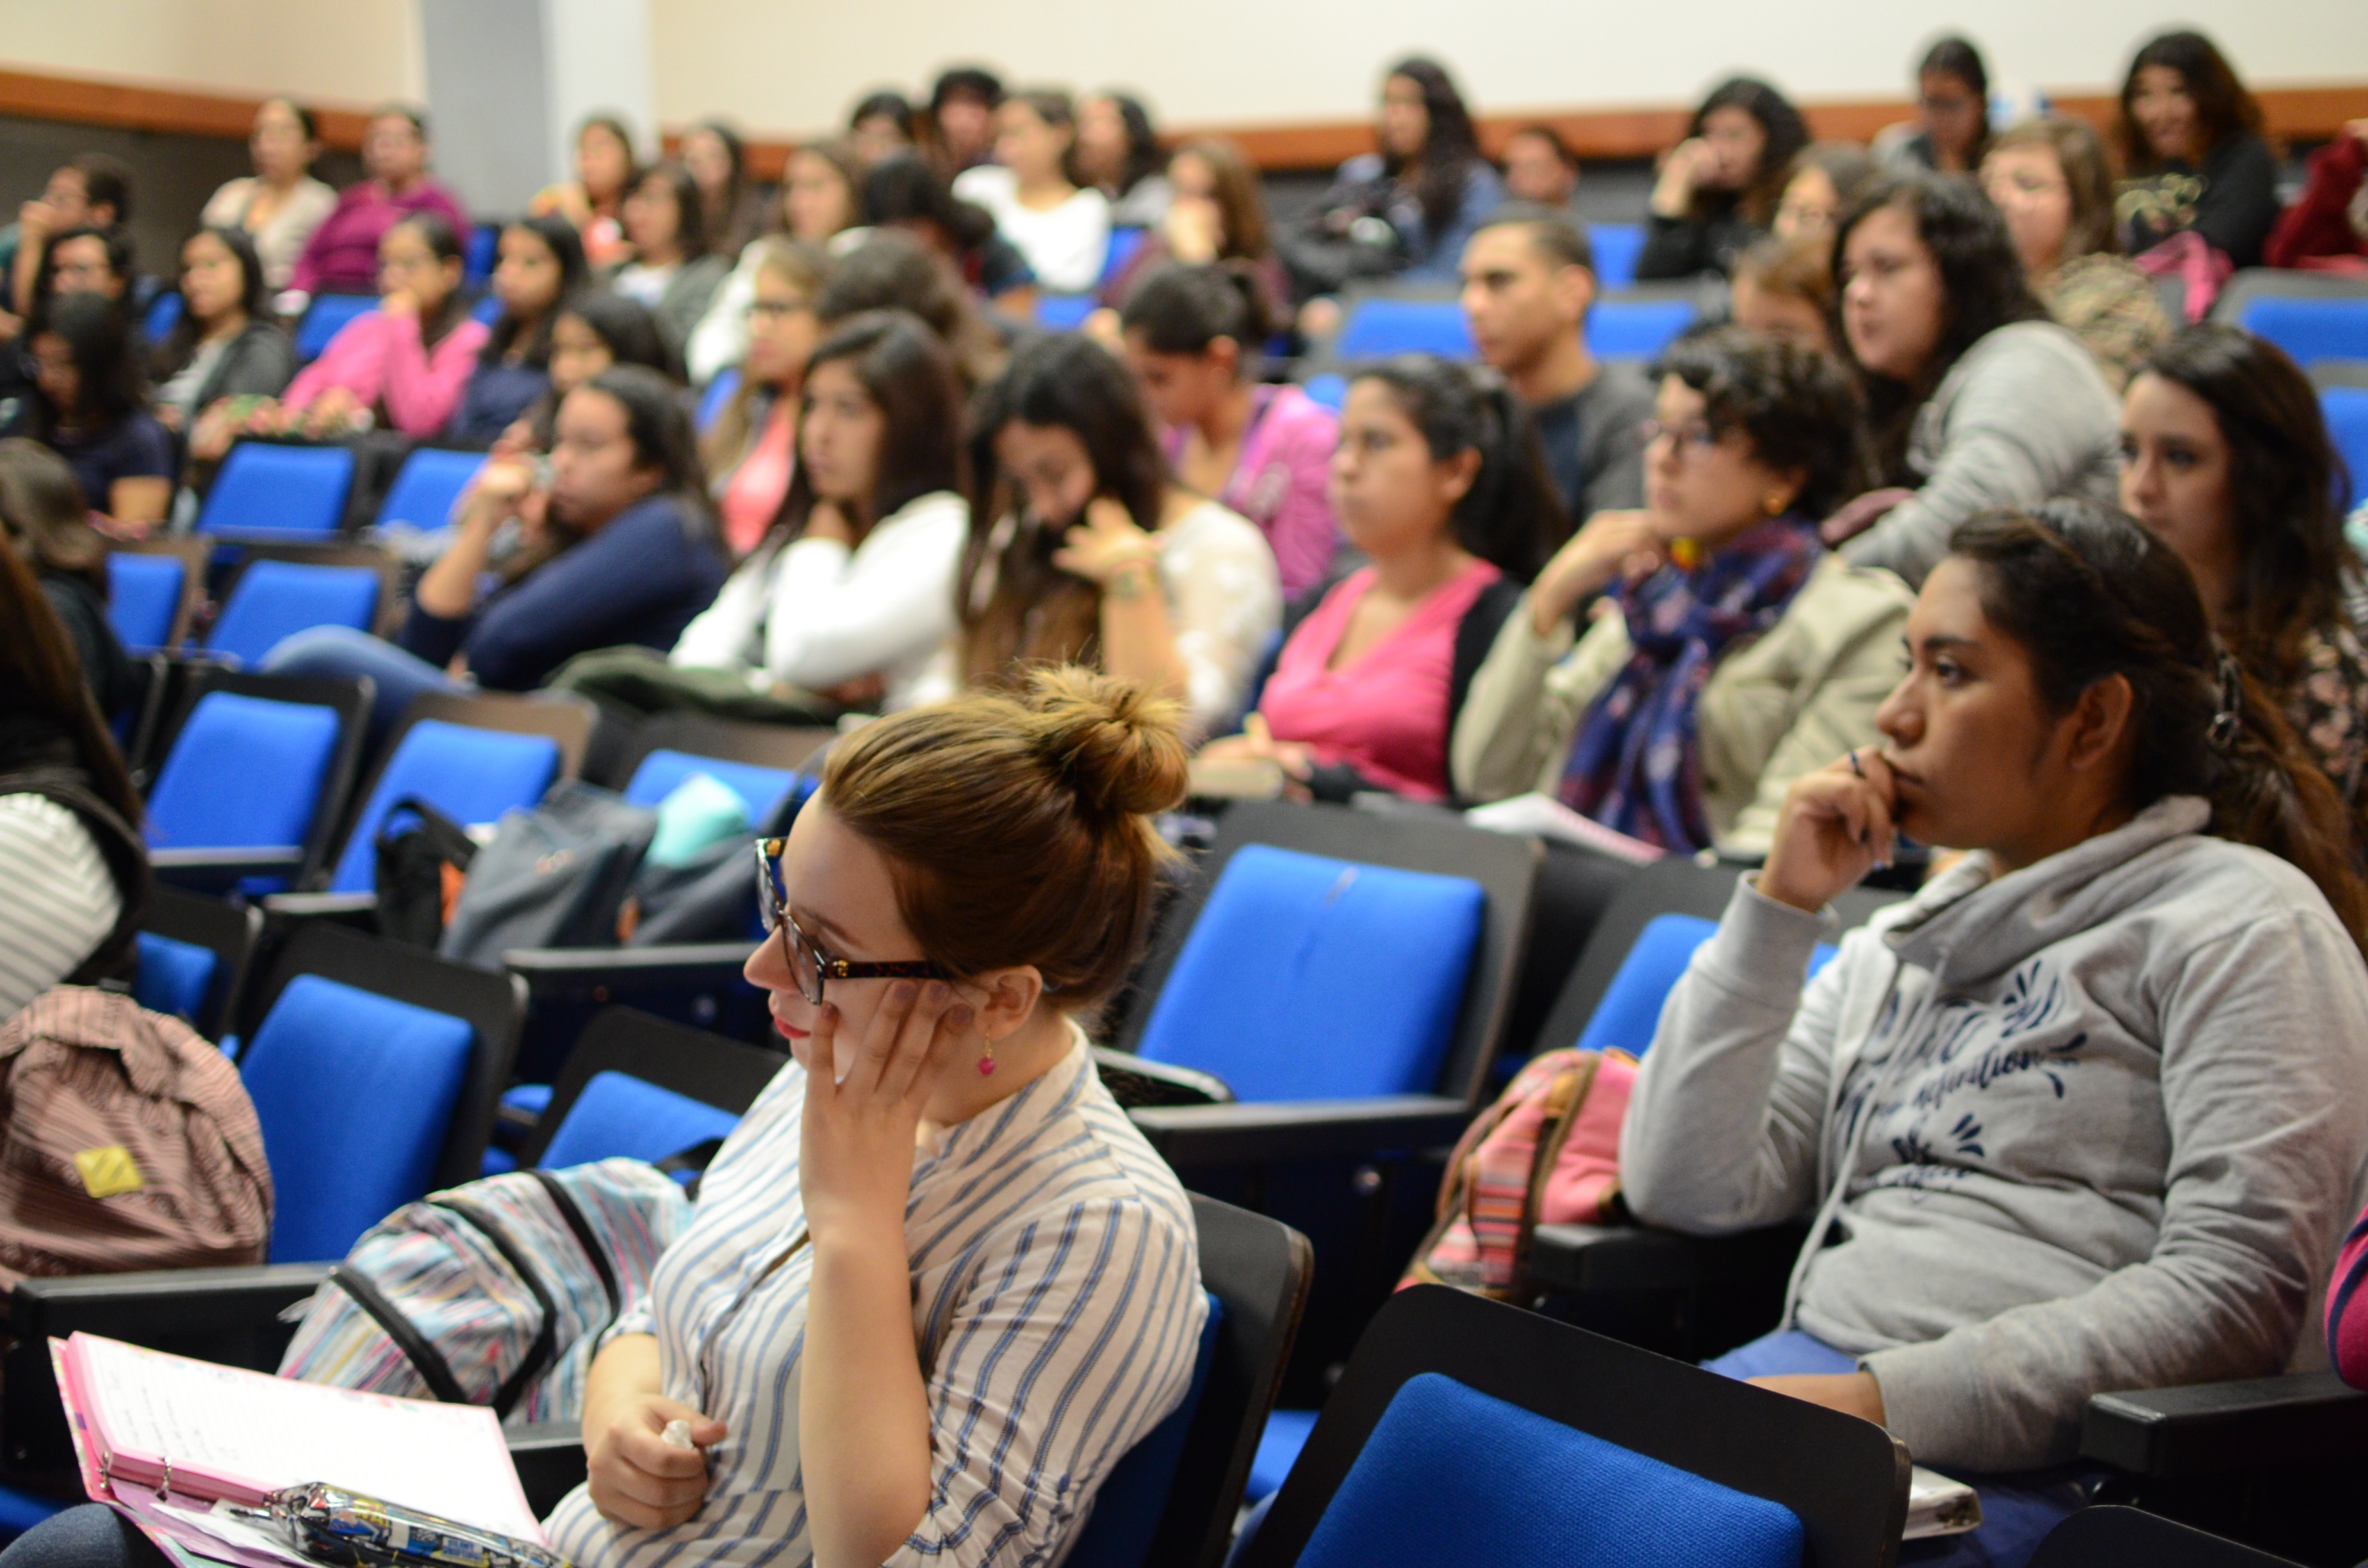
<point>1636,765</point>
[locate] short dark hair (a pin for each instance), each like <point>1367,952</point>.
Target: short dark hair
<point>908,373</point>
<point>105,180</point>
<point>1539,131</point>
<point>1560,241</point>
<point>1180,308</point>
<point>412,112</point>
<point>625,326</point>
<point>1797,407</point>
<point>902,188</point>
<point>658,424</point>
<point>113,386</point>
<point>885,104</point>
<point>1512,517</point>
<point>2223,105</point>
<point>118,242</point>
<point>1779,123</point>
<point>966,82</point>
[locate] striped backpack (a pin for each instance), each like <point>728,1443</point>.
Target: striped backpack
<point>1546,1154</point>
<point>495,1294</point>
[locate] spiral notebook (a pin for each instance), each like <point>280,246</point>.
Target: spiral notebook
<point>164,1438</point>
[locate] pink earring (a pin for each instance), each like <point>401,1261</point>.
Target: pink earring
<point>986,1059</point>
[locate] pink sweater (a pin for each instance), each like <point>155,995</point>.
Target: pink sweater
<point>380,360</point>
<point>1385,713</point>
<point>1278,481</point>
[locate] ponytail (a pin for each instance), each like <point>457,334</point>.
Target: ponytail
<point>1512,517</point>
<point>2090,592</point>
<point>1182,308</point>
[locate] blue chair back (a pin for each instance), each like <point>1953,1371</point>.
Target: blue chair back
<point>484,249</point>
<point>1616,246</point>
<point>1630,1013</point>
<point>2309,329</point>
<point>244,773</point>
<point>760,789</point>
<point>1381,326</point>
<point>355,1093</point>
<point>1307,978</point>
<point>274,599</point>
<point>471,774</point>
<point>2347,423</point>
<point>1062,313</point>
<point>426,485</point>
<point>1134,1494</point>
<point>619,1114</point>
<point>1453,1478</point>
<point>270,491</point>
<point>163,315</point>
<point>326,316</point>
<point>175,977</point>
<point>1328,388</point>
<point>1636,329</point>
<point>719,393</point>
<point>143,595</point>
<point>1124,241</point>
<point>487,310</point>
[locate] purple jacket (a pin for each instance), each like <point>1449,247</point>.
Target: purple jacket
<point>1279,481</point>
<point>342,255</point>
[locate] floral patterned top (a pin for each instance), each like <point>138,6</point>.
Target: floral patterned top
<point>2328,705</point>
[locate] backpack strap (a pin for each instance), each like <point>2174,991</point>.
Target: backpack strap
<point>448,838</point>
<point>425,1358</point>
<point>539,1355</point>
<point>586,1237</point>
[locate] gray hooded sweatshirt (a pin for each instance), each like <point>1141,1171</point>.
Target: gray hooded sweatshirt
<point>2093,1125</point>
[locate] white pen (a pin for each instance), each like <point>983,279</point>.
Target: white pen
<point>677,1434</point>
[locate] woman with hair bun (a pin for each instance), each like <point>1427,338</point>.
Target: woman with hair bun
<point>1193,338</point>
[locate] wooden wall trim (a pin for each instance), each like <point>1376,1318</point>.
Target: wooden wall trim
<point>168,110</point>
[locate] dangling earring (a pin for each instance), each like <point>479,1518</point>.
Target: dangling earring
<point>1774,504</point>
<point>986,1059</point>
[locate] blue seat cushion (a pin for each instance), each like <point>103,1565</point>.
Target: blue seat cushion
<point>2310,329</point>
<point>143,595</point>
<point>1630,1013</point>
<point>1617,248</point>
<point>760,789</point>
<point>1377,328</point>
<point>274,599</point>
<point>270,490</point>
<point>1453,1478</point>
<point>425,488</point>
<point>175,976</point>
<point>1134,1494</point>
<point>1310,978</point>
<point>244,772</point>
<point>473,776</point>
<point>355,1092</point>
<point>2347,422</point>
<point>1279,1444</point>
<point>619,1114</point>
<point>1637,329</point>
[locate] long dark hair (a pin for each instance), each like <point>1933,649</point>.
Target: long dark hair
<point>253,297</point>
<point>1952,55</point>
<point>43,509</point>
<point>887,103</point>
<point>112,385</point>
<point>1982,284</point>
<point>1181,308</point>
<point>892,271</point>
<point>2288,491</point>
<point>567,246</point>
<point>658,424</point>
<point>1449,149</point>
<point>2090,592</point>
<point>42,680</point>
<point>904,188</point>
<point>118,242</point>
<point>718,219</point>
<point>1795,406</point>
<point>443,242</point>
<point>614,124</point>
<point>689,206</point>
<point>1038,613</point>
<point>908,373</point>
<point>625,326</point>
<point>2223,105</point>
<point>1786,134</point>
<point>1144,156</point>
<point>1512,517</point>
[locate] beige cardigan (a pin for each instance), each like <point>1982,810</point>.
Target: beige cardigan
<point>1774,707</point>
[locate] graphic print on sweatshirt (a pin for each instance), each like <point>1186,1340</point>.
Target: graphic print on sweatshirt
<point>1965,1067</point>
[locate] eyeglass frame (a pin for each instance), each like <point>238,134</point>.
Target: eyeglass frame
<point>775,910</point>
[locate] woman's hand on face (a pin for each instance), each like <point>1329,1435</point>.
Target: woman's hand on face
<point>1681,171</point>
<point>635,1476</point>
<point>1105,544</point>
<point>398,304</point>
<point>1194,228</point>
<point>1611,545</point>
<point>826,521</point>
<point>855,1162</point>
<point>1834,827</point>
<point>501,484</point>
<point>1852,1393</point>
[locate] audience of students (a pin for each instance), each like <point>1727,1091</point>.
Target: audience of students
<point>2225,456</point>
<point>1718,190</point>
<point>45,521</point>
<point>1825,180</point>
<point>892,271</point>
<point>538,267</point>
<point>1951,128</point>
<point>751,448</point>
<point>903,192</point>
<point>1975,400</point>
<point>1785,289</point>
<point>2327,227</point>
<point>620,548</point>
<point>2089,1111</point>
<point>1083,550</point>
<point>2050,180</point>
<point>1439,483</point>
<point>1062,230</point>
<point>342,257</point>
<point>91,407</point>
<point>607,168</point>
<point>226,343</point>
<point>280,205</point>
<point>1529,281</point>
<point>1736,654</point>
<point>90,191</point>
<point>1119,154</point>
<point>820,198</point>
<point>1192,337</point>
<point>667,266</point>
<point>2193,153</point>
<point>1216,211</point>
<point>731,208</point>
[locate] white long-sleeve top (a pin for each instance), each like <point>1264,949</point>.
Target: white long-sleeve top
<point>814,613</point>
<point>1065,246</point>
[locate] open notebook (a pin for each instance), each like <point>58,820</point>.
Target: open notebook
<point>163,1438</point>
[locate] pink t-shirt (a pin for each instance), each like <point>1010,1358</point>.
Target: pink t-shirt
<point>752,496</point>
<point>1385,713</point>
<point>1278,481</point>
<point>381,359</point>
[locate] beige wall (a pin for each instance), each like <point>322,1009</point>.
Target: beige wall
<point>344,53</point>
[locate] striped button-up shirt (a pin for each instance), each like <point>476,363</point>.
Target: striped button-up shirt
<point>1056,1307</point>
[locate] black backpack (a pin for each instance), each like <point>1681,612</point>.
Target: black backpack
<point>552,877</point>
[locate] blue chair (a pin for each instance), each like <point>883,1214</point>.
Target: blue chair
<point>274,599</point>
<point>626,1065</point>
<point>1637,329</point>
<point>266,490</point>
<point>471,774</point>
<point>1329,389</point>
<point>1134,1494</point>
<point>145,598</point>
<point>718,393</point>
<point>427,487</point>
<point>1124,241</point>
<point>163,315</point>
<point>487,310</point>
<point>619,1114</point>
<point>1617,246</point>
<point>761,789</point>
<point>484,250</point>
<point>1469,1433</point>
<point>1630,1014</point>
<point>1062,313</point>
<point>1380,325</point>
<point>194,956</point>
<point>326,316</point>
<point>2309,329</point>
<point>2347,425</point>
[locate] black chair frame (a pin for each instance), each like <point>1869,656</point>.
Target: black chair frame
<point>231,932</point>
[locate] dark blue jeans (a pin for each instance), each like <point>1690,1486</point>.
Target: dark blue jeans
<point>93,1536</point>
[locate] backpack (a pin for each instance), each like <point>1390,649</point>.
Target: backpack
<point>126,1142</point>
<point>423,862</point>
<point>552,877</point>
<point>1546,1154</point>
<point>495,1293</point>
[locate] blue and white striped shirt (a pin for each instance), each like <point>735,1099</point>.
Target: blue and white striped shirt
<point>1056,1306</point>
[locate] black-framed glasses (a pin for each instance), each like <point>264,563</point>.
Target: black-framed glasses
<point>812,964</point>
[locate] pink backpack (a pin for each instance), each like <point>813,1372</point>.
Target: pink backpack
<point>1546,1154</point>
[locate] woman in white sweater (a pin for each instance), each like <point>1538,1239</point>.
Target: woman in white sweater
<point>1064,230</point>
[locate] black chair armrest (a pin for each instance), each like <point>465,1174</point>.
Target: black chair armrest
<point>2311,1419</point>
<point>161,1304</point>
<point>1592,1259</point>
<point>564,971</point>
<point>1242,1134</point>
<point>212,870</point>
<point>356,910</point>
<point>549,1456</point>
